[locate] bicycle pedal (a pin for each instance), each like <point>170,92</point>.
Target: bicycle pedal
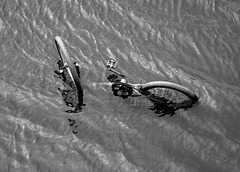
<point>111,63</point>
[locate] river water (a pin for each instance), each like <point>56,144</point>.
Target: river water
<point>194,43</point>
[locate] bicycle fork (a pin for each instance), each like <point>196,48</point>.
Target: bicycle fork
<point>65,66</point>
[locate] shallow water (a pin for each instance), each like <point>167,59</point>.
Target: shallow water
<point>192,43</point>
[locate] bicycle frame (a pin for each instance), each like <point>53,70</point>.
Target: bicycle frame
<point>136,87</point>
<point>111,65</point>
<point>141,88</point>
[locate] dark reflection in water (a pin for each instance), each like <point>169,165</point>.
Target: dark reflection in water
<point>69,95</point>
<point>168,107</point>
<point>72,122</point>
<point>164,109</point>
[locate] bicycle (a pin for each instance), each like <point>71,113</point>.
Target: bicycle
<point>160,92</point>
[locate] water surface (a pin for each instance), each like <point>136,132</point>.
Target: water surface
<point>192,43</point>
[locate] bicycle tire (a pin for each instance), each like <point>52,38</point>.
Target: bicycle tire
<point>172,86</point>
<point>65,57</point>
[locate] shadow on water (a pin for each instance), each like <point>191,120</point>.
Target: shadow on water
<point>163,107</point>
<point>70,95</point>
<point>167,109</point>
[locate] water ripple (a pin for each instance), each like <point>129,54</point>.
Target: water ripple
<point>192,43</point>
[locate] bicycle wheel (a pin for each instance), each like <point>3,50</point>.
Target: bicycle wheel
<point>71,67</point>
<point>169,93</point>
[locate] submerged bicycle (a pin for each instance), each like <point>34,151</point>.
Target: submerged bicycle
<point>160,92</point>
